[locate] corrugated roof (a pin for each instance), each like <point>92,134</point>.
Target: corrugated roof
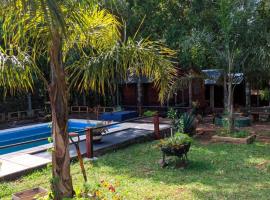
<point>213,76</point>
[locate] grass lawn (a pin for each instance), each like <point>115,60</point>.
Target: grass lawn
<point>216,171</point>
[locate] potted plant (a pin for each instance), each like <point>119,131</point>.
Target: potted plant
<point>176,145</point>
<point>98,132</point>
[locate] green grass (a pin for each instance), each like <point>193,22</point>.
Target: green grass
<point>215,171</point>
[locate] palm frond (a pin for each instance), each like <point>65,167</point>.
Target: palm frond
<point>150,59</point>
<point>16,72</point>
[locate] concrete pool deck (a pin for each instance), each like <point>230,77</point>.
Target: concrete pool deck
<point>19,163</point>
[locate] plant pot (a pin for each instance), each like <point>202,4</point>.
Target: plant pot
<point>97,136</point>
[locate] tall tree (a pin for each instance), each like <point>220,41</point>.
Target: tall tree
<point>53,27</point>
<point>77,34</point>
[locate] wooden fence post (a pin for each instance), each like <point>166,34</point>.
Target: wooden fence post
<point>156,126</point>
<point>89,143</point>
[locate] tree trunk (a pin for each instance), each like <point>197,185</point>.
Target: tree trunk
<point>230,106</point>
<point>230,96</point>
<point>62,182</point>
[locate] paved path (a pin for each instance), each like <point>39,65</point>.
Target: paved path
<point>16,164</point>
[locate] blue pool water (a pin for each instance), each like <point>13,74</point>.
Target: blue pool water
<point>33,132</point>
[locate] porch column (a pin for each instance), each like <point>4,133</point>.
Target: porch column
<point>225,92</point>
<point>29,102</point>
<point>183,97</point>
<point>76,100</point>
<point>175,98</point>
<point>139,95</point>
<point>258,98</point>
<point>212,96</point>
<point>190,92</point>
<point>247,90</point>
<point>117,95</point>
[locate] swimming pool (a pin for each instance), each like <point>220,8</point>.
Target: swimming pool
<point>34,132</point>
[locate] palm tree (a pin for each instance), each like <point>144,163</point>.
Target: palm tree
<point>60,30</point>
<point>140,58</point>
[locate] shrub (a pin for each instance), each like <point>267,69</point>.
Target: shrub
<point>149,113</point>
<point>185,123</point>
<point>189,126</point>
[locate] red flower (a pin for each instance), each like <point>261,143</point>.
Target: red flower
<point>111,188</point>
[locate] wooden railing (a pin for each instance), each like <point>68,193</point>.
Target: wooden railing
<point>79,109</point>
<point>87,109</point>
<point>89,144</point>
<point>19,115</point>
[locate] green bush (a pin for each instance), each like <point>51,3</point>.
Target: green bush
<point>184,123</point>
<point>189,126</point>
<point>149,113</point>
<point>265,94</point>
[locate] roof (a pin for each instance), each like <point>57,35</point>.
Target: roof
<point>214,75</point>
<point>237,78</point>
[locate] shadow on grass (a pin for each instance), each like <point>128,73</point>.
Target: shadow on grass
<point>222,168</point>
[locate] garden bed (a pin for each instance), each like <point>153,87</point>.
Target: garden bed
<point>247,140</point>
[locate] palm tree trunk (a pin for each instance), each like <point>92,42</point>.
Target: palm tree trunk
<point>62,181</point>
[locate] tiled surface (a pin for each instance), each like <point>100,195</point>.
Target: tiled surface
<point>29,160</point>
<point>20,162</point>
<point>10,168</point>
